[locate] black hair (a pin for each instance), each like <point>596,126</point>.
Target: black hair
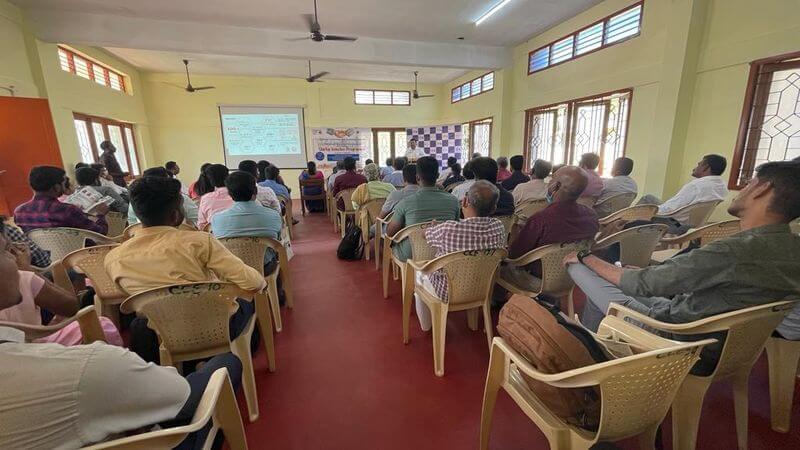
<point>160,172</point>
<point>86,176</point>
<point>716,163</point>
<point>368,161</point>
<point>410,173</point>
<point>80,164</point>
<point>155,199</point>
<point>105,145</point>
<point>517,161</point>
<point>311,167</point>
<point>97,166</point>
<point>216,174</point>
<point>170,165</point>
<point>249,166</point>
<point>541,169</point>
<point>399,163</point>
<point>467,171</point>
<point>262,170</point>
<point>389,162</point>
<point>485,168</point>
<point>44,178</point>
<point>784,176</point>
<point>428,169</point>
<point>455,169</point>
<point>451,160</point>
<point>590,161</point>
<point>349,163</point>
<point>502,162</point>
<point>272,172</point>
<point>624,166</point>
<point>241,186</point>
<point>202,186</point>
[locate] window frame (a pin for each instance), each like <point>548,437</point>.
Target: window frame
<point>460,87</point>
<point>104,122</point>
<point>744,159</point>
<point>467,153</point>
<point>574,35</point>
<point>392,91</point>
<point>91,64</point>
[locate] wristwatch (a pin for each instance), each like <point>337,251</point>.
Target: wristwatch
<point>583,254</point>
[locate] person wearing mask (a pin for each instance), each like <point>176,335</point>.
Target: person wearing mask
<point>311,173</point>
<point>350,179</point>
<point>485,168</point>
<point>88,177</point>
<point>109,160</point>
<point>454,177</point>
<point>517,176</point>
<point>44,210</point>
<point>536,188</point>
<point>396,178</point>
<point>589,163</point>
<point>502,169</point>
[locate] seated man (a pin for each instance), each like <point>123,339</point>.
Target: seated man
<point>477,231</point>
<point>350,179</point>
<point>396,177</point>
<point>76,396</point>
<point>429,203</point>
<point>44,210</point>
<point>88,177</point>
<point>388,169</point>
<point>451,161</point>
<point>460,191</point>
<point>188,206</point>
<point>411,187</point>
<point>160,254</point>
<point>536,188</point>
<point>589,163</point>
<point>273,174</point>
<point>517,176</point>
<point>758,265</point>
<point>266,196</point>
<point>564,220</point>
<point>621,181</point>
<point>108,181</point>
<point>485,168</point>
<point>338,170</point>
<point>707,186</point>
<point>374,188</point>
<point>215,201</point>
<point>454,177</point>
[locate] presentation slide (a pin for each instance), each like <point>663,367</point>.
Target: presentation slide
<point>275,134</point>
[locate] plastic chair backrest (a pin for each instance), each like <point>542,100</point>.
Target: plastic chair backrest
<point>116,223</point>
<point>372,208</point>
<point>638,212</point>
<point>508,222</point>
<point>250,250</point>
<point>555,279</point>
<point>586,200</point>
<point>346,196</point>
<point>526,209</point>
<point>420,250</point>
<point>614,203</point>
<point>91,262</point>
<point>719,230</point>
<point>132,229</point>
<point>87,319</point>
<point>636,245</point>
<point>63,241</point>
<point>191,319</point>
<point>471,274</point>
<point>698,213</point>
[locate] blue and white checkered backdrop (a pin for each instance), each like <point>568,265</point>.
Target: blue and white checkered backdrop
<point>439,141</point>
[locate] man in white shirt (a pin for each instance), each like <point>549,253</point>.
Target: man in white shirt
<point>461,190</point>
<point>621,182</point>
<point>338,171</point>
<point>707,186</point>
<point>536,189</point>
<point>413,152</point>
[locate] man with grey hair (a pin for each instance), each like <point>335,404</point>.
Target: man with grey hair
<point>476,231</point>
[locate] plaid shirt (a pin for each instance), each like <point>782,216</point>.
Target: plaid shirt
<point>47,212</point>
<point>39,256</point>
<point>474,233</point>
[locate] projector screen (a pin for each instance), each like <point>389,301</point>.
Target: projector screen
<point>273,133</point>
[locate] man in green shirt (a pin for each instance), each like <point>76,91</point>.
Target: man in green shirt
<point>429,203</point>
<point>760,264</point>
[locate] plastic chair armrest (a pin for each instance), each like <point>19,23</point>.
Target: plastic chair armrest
<point>623,312</point>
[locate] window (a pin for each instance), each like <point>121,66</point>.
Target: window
<point>371,97</point>
<point>387,143</point>
<point>770,125</point>
<point>483,83</point>
<point>561,133</point>
<point>616,28</point>
<point>92,131</point>
<point>477,138</point>
<point>84,67</point>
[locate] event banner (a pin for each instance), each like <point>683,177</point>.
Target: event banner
<point>333,144</point>
<point>439,141</point>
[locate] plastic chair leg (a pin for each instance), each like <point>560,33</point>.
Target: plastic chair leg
<point>494,378</point>
<point>647,440</point>
<point>686,409</point>
<point>265,324</point>
<point>241,348</point>
<point>229,419</point>
<point>407,279</point>
<point>783,357</point>
<point>386,264</point>
<point>741,412</point>
<point>377,240</point>
<point>406,316</point>
<point>287,283</point>
<point>472,319</point>
<point>439,319</point>
<point>488,326</point>
<point>272,288</point>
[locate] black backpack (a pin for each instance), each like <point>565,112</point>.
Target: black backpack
<point>351,248</point>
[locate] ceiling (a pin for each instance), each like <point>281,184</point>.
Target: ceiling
<point>394,33</point>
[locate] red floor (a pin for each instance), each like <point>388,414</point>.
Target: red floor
<point>345,380</point>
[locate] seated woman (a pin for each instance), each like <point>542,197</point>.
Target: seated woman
<point>311,173</point>
<point>202,186</point>
<point>373,188</point>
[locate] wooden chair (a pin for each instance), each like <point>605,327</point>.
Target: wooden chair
<point>698,213</point>
<point>62,241</point>
<point>287,213</point>
<point>349,211</point>
<point>380,225</point>
<point>87,319</point>
<point>312,182</point>
<point>705,235</point>
<point>420,251</point>
<point>638,212</point>
<point>192,321</point>
<point>555,281</point>
<point>132,229</point>
<point>636,244</point>
<point>783,356</point>
<point>117,222</point>
<point>366,215</point>
<point>217,406</point>
<point>746,331</point>
<point>635,393</point>
<point>614,203</point>
<point>470,279</point>
<point>90,261</point>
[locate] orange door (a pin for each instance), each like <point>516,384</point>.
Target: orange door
<point>27,139</point>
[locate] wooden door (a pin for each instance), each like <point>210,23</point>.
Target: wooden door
<point>27,139</point>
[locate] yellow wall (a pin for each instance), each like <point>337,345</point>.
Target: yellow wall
<point>15,67</point>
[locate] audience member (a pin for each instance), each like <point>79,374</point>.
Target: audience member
<point>107,181</point>
<point>413,152</point>
<point>215,201</point>
<point>188,206</point>
<point>476,155</point>
<point>502,169</point>
<point>338,169</point>
<point>202,186</point>
<point>109,160</point>
<point>517,176</point>
<point>88,177</point>
<point>40,258</point>
<point>756,266</point>
<point>266,194</point>
<point>396,177</point>
<point>485,168</point>
<point>374,188</point>
<point>469,178</point>
<point>411,187</point>
<point>429,203</point>
<point>706,186</point>
<point>386,171</point>
<point>262,170</point>
<point>621,182</point>
<point>589,163</point>
<point>477,231</point>
<point>349,179</point>
<point>536,188</point>
<point>368,162</point>
<point>273,174</point>
<point>44,210</point>
<point>448,170</point>
<point>311,173</point>
<point>173,168</point>
<point>454,177</point>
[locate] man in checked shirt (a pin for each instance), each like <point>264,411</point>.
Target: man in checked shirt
<point>476,231</point>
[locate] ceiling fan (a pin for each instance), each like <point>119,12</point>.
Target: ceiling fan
<point>416,93</point>
<point>316,30</point>
<point>189,87</point>
<point>316,77</point>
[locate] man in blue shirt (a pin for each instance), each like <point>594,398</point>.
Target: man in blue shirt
<point>272,172</point>
<point>396,177</point>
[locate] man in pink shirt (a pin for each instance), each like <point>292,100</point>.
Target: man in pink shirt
<point>589,163</point>
<point>216,201</point>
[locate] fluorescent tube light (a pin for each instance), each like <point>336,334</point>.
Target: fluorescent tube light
<point>490,12</point>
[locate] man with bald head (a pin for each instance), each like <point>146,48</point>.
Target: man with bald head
<point>477,231</point>
<point>563,220</point>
